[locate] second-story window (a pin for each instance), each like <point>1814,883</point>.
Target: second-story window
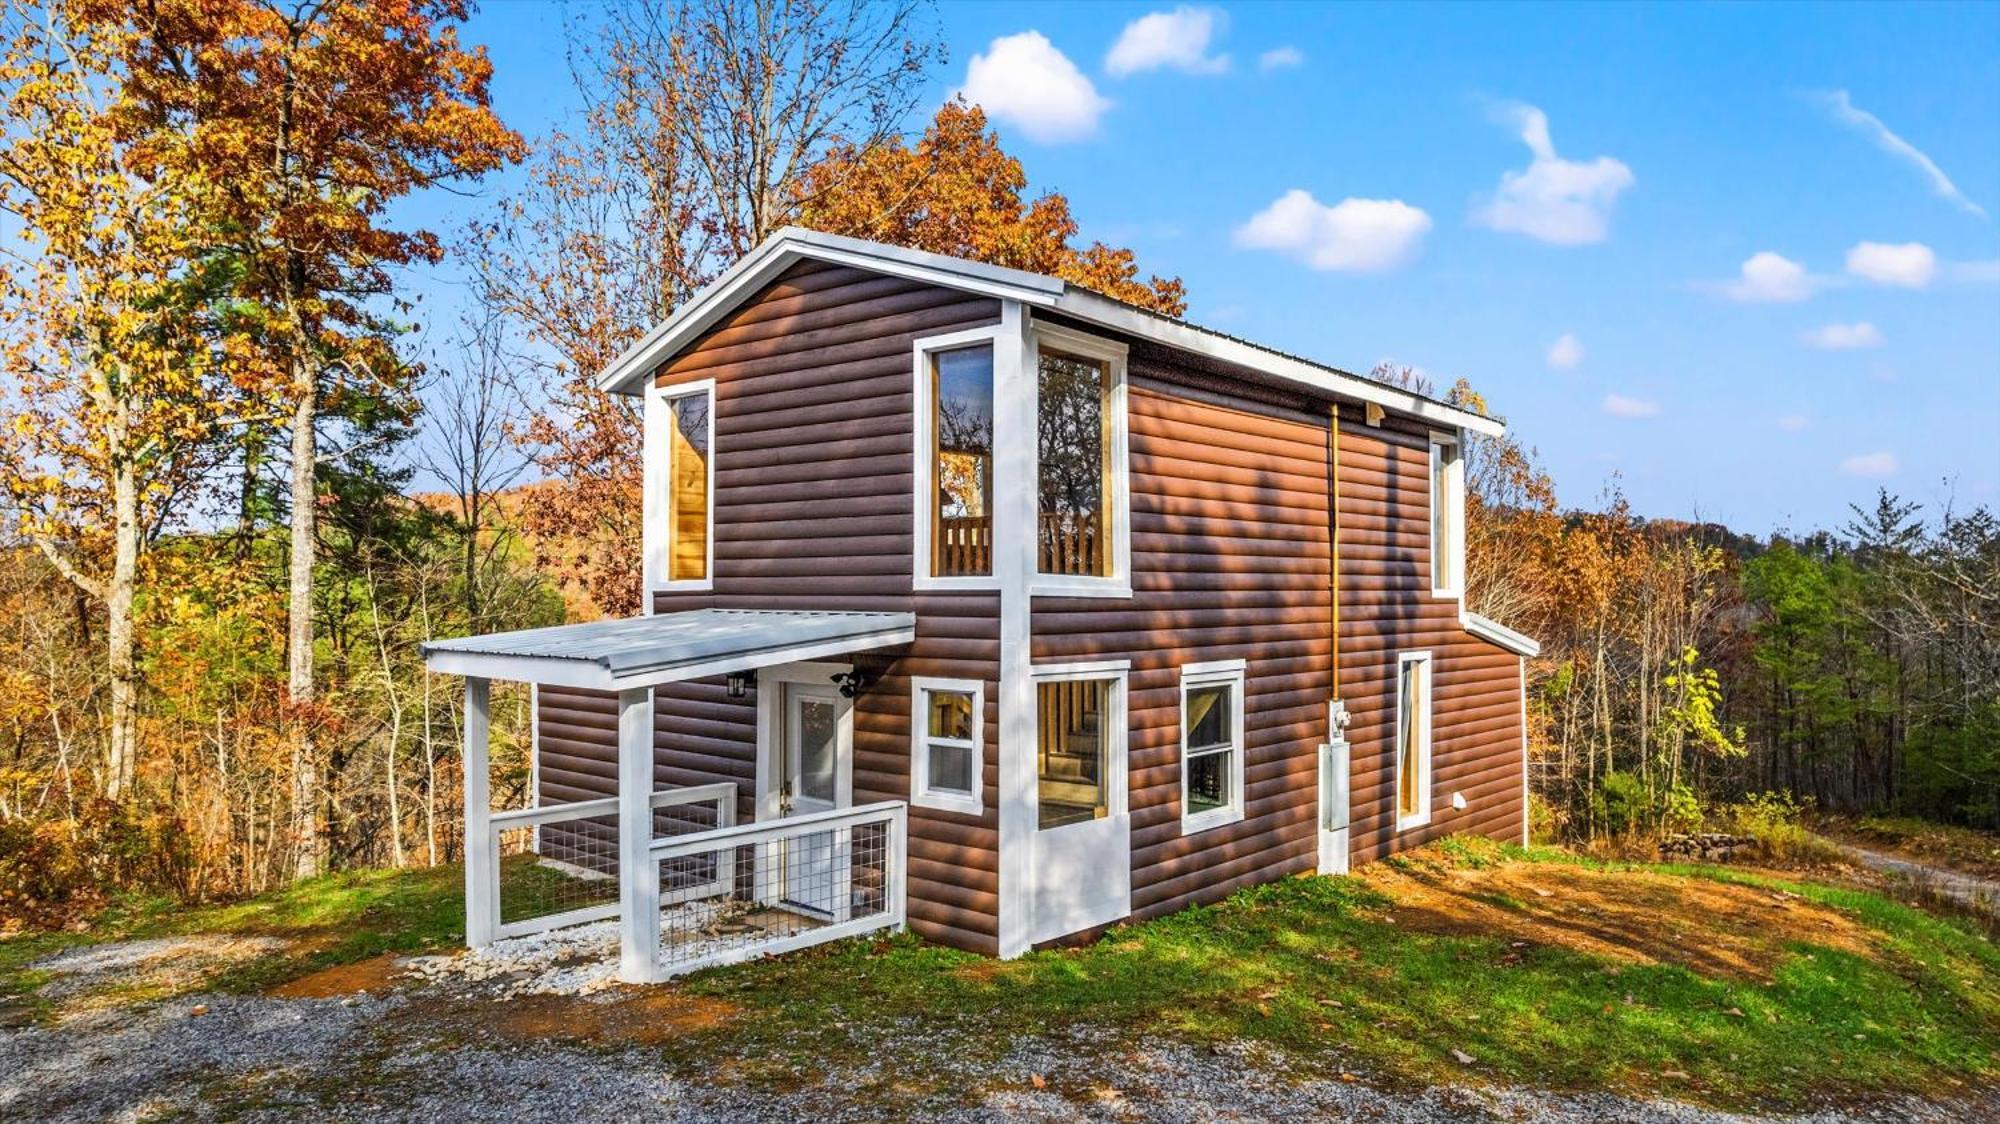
<point>1073,455</point>
<point>1447,518</point>
<point>690,437</point>
<point>962,462</point>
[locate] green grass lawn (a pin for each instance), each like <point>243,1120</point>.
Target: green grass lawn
<point>1338,974</point>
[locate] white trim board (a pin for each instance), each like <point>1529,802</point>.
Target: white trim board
<point>782,249</point>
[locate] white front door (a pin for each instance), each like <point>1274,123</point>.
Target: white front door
<point>1083,834</point>
<point>809,768</point>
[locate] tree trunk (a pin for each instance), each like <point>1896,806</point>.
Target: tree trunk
<point>309,839</point>
<point>122,761</point>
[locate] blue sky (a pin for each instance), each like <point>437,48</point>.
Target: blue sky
<point>1344,198</point>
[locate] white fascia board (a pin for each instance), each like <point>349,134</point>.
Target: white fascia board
<point>1105,312</point>
<point>1493,632</point>
<point>785,248</point>
<point>559,671</point>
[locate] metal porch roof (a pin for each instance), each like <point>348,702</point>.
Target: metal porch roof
<point>667,647</point>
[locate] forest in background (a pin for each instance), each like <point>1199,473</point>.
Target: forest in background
<point>243,478</point>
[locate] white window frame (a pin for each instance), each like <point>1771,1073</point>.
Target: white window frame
<point>658,471</point>
<point>1422,815</point>
<point>1119,504</point>
<point>1117,732</point>
<point>922,480</point>
<point>1196,676</point>
<point>1454,514</point>
<point>921,793</point>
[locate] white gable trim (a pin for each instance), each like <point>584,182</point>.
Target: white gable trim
<point>1493,632</point>
<point>788,246</point>
<point>784,249</point>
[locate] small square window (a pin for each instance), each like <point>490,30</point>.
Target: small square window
<point>946,758</point>
<point>1211,745</point>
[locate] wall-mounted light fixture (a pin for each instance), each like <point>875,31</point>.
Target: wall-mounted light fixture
<point>740,683</point>
<point>850,683</point>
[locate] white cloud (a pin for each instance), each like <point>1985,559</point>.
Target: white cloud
<point>1278,58</point>
<point>1909,264</point>
<point>1566,202</point>
<point>1355,235</point>
<point>1566,352</point>
<point>1179,39</point>
<point>1793,423</point>
<point>1847,113</point>
<point>1869,464</point>
<point>1767,278</point>
<point>1619,406</point>
<point>1843,337</point>
<point>1022,80</point>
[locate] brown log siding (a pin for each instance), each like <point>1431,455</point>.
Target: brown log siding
<point>1386,607</point>
<point>812,510</point>
<point>1230,558</point>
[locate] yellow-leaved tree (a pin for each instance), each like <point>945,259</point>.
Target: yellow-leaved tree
<point>111,399</point>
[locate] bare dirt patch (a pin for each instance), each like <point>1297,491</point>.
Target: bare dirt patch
<point>1716,929</point>
<point>628,1016</point>
<point>373,976</point>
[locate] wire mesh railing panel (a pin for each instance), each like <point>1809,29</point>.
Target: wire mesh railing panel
<point>777,891</point>
<point>575,867</point>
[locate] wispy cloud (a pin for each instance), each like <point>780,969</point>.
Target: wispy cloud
<point>1977,272</point>
<point>1847,113</point>
<point>1566,352</point>
<point>1843,337</point>
<point>1024,81</point>
<point>1619,406</point>
<point>1354,235</point>
<point>1279,58</point>
<point>1869,464</point>
<point>1179,39</point>
<point>1793,423</point>
<point>1564,202</point>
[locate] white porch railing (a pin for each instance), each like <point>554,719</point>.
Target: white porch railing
<point>764,888</point>
<point>562,868</point>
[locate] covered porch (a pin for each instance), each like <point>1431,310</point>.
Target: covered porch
<point>690,886</point>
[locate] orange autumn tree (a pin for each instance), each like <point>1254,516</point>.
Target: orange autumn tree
<point>107,418</point>
<point>956,192</point>
<point>312,117</point>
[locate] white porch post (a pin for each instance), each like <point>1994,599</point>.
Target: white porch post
<point>638,889</point>
<point>482,865</point>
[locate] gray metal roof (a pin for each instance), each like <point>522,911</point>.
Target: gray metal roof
<point>645,651</point>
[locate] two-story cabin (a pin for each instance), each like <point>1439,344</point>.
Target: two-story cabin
<point>986,604</point>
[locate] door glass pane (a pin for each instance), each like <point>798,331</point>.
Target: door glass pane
<point>1073,447</point>
<point>1071,725</point>
<point>817,725</point>
<point>951,769</point>
<point>951,715</point>
<point>687,490</point>
<point>962,464</point>
<point>1208,782</point>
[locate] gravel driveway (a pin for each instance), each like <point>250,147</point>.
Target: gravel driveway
<point>389,1058</point>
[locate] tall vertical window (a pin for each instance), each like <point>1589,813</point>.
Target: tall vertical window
<point>961,430</point>
<point>946,757</point>
<point>1447,518</point>
<point>1073,452</point>
<point>1413,739</point>
<point>1211,745</point>
<point>688,479</point>
<point>1073,728</point>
